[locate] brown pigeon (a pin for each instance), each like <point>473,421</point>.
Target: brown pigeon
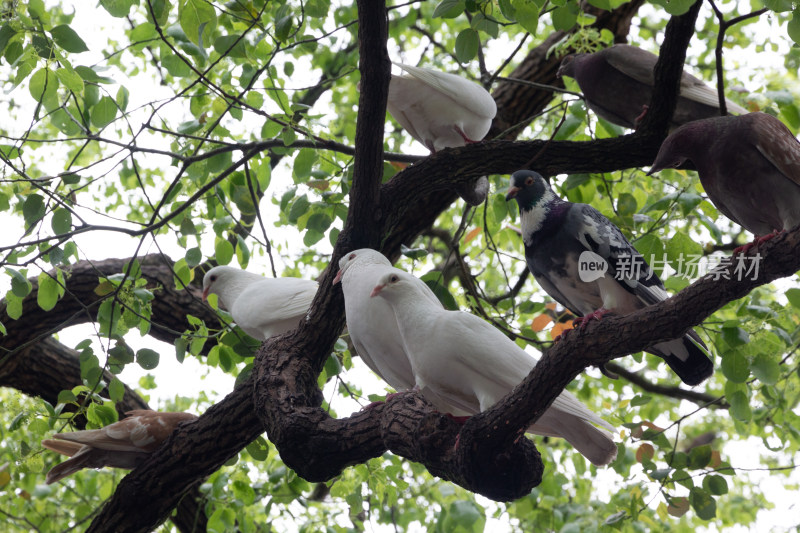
<point>617,83</point>
<point>123,444</point>
<point>748,165</point>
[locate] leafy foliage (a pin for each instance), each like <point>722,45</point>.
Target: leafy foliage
<point>221,133</point>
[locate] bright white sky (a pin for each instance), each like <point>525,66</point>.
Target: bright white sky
<point>187,378</point>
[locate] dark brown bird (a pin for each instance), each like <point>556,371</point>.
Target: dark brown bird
<point>617,83</point>
<point>748,165</point>
<point>123,444</point>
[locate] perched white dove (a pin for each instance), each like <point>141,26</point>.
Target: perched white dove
<point>438,109</point>
<point>459,356</point>
<point>261,306</point>
<point>372,325</point>
<point>123,444</point>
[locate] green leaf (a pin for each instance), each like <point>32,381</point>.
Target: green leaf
<point>197,17</point>
<point>481,22</point>
<point>43,85</point>
<point>222,520</point>
<point>122,98</point>
<point>449,9</point>
<point>193,257</point>
<point>147,358</point>
<point>33,209</point>
<point>20,286</point>
<point>640,399</point>
<point>793,295</point>
<point>118,8</point>
<point>42,46</point>
<point>527,14</point>
<point>6,33</point>
<point>675,7</point>
<point>467,44</point>
<point>70,79</point>
<point>104,112</point>
<point>735,366</point>
<point>740,406</point>
<point>565,17</point>
<point>716,485</point>
<point>431,279</point>
<point>9,152</point>
<point>116,390</point>
<point>48,293</point>
<point>734,335</point>
<point>700,456</point>
<point>703,504</point>
<point>778,6</point>
<point>626,204</point>
<point>299,208</point>
<point>223,251</point>
<point>101,415</point>
<point>766,369</point>
<point>258,449</point>
<point>61,221</point>
<point>303,163</point>
<point>283,27</point>
<point>66,38</point>
<point>463,515</point>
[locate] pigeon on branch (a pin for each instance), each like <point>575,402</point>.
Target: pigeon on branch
<point>749,166</point>
<point>261,306</point>
<point>467,361</point>
<point>586,264</point>
<point>123,444</point>
<point>617,83</point>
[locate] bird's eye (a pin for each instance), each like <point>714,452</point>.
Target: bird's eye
<point>213,278</point>
<point>529,181</point>
<point>394,279</point>
<point>351,256</point>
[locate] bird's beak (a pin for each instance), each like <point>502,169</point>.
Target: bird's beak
<point>205,293</point>
<point>377,290</point>
<point>652,170</point>
<point>512,193</point>
<point>338,277</point>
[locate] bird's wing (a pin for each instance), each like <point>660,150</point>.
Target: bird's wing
<point>273,300</point>
<point>404,94</point>
<point>639,65</point>
<point>632,61</point>
<point>116,438</point>
<point>464,92</point>
<point>625,264</point>
<point>490,363</point>
<point>778,145</point>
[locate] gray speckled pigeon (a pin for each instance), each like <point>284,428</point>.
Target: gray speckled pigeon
<point>618,84</point>
<point>559,235</point>
<point>748,165</point>
<point>463,358</point>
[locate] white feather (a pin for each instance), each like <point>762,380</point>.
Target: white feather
<point>262,307</point>
<point>436,107</point>
<point>467,361</point>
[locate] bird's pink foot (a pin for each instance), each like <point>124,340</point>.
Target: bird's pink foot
<point>467,140</point>
<point>758,240</point>
<point>584,320</point>
<point>641,116</point>
<point>457,419</point>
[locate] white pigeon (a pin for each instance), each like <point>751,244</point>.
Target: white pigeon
<point>261,306</point>
<point>458,355</point>
<point>372,325</point>
<point>438,109</point>
<point>123,444</point>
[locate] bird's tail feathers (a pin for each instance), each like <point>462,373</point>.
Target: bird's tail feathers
<point>594,443</point>
<point>77,462</point>
<point>688,357</point>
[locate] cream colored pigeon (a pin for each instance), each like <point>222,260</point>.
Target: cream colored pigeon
<point>749,167</point>
<point>261,306</point>
<point>439,109</point>
<point>373,327</point>
<point>617,83</point>
<point>123,444</point>
<point>460,356</point>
